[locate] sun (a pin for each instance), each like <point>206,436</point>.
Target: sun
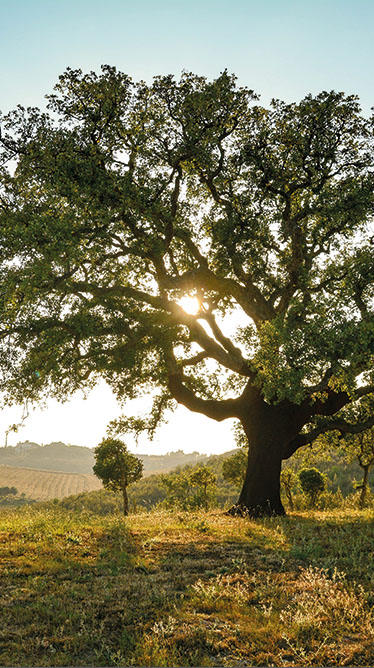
<point>190,305</point>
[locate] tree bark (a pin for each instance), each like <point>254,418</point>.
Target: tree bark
<point>269,430</point>
<point>364,487</point>
<point>260,494</point>
<point>125,501</point>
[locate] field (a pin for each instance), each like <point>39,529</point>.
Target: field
<point>186,589</point>
<point>45,485</point>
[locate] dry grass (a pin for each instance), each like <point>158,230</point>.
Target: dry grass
<point>186,589</point>
<point>45,485</point>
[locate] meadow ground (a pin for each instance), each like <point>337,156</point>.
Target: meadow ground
<point>186,589</point>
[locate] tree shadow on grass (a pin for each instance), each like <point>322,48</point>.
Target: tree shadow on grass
<point>205,598</point>
<point>225,597</point>
<point>328,541</point>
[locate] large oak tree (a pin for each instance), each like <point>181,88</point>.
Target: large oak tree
<point>124,198</point>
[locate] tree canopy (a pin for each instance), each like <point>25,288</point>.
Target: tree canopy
<point>128,197</point>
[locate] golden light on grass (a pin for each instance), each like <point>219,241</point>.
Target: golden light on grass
<point>185,588</point>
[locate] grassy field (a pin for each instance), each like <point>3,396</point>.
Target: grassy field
<point>44,485</point>
<point>186,589</point>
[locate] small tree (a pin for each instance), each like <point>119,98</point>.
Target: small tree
<point>204,479</point>
<point>117,467</point>
<point>360,448</point>
<point>313,483</point>
<point>287,479</point>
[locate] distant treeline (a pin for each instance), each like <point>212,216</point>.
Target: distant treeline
<point>78,459</point>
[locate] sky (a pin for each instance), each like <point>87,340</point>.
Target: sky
<point>280,48</point>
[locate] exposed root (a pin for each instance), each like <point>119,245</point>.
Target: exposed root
<point>240,510</point>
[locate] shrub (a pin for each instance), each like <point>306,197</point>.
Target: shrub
<point>313,483</point>
<point>7,491</point>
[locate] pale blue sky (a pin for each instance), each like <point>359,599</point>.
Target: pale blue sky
<point>280,48</point>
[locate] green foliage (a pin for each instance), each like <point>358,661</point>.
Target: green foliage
<point>174,488</point>
<point>204,481</point>
<point>233,468</point>
<point>100,502</point>
<point>8,491</point>
<point>127,197</point>
<point>96,207</point>
<point>360,446</point>
<point>116,466</point>
<point>331,459</point>
<point>189,488</point>
<point>313,483</point>
<point>287,481</point>
<point>148,492</point>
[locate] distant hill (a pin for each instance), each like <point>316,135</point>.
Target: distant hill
<point>52,457</point>
<point>78,459</point>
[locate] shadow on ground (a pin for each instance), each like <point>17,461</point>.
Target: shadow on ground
<point>186,592</point>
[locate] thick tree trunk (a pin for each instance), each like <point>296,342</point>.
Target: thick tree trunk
<point>260,494</point>
<point>125,501</point>
<point>269,430</point>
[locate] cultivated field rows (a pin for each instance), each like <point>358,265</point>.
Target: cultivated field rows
<point>44,485</point>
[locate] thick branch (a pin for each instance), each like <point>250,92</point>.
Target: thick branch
<point>234,362</point>
<point>191,361</point>
<point>221,338</point>
<point>217,410</point>
<point>337,400</point>
<point>334,402</point>
<point>341,426</point>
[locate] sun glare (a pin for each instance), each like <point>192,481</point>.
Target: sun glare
<point>189,304</point>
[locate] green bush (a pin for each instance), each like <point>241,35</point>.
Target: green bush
<point>100,502</point>
<point>189,488</point>
<point>8,491</point>
<point>312,483</point>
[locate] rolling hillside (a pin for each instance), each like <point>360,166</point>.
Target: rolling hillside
<point>44,485</point>
<point>79,459</point>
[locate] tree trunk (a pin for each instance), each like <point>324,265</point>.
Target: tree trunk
<point>125,501</point>
<point>288,490</point>
<point>260,494</point>
<point>364,487</point>
<point>269,430</point>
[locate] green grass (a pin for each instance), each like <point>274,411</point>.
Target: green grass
<point>186,589</point>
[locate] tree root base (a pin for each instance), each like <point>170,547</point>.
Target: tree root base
<point>240,510</point>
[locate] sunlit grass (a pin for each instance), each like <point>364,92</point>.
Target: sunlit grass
<point>186,589</point>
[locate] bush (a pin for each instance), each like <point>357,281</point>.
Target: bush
<point>313,483</point>
<point>100,502</point>
<point>189,488</point>
<point>8,491</point>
